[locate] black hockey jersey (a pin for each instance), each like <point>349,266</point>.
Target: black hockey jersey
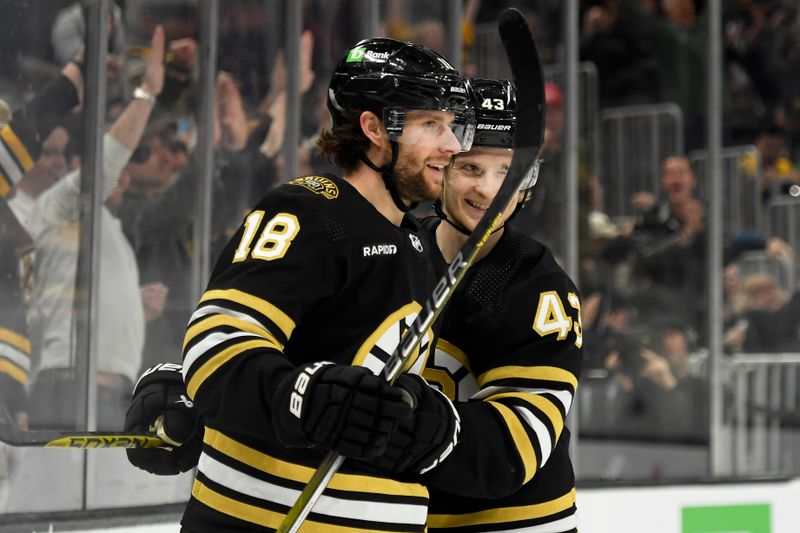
<point>510,352</point>
<point>314,273</point>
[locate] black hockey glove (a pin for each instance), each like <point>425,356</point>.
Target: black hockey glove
<point>161,393</point>
<point>424,440</point>
<point>347,409</point>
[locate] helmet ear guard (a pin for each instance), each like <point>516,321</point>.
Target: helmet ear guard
<point>529,181</point>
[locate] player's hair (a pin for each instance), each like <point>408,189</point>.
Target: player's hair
<point>343,144</point>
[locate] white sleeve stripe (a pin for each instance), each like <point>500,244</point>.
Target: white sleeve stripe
<point>541,431</point>
<point>394,513</point>
<point>217,310</point>
<point>565,397</point>
<point>559,526</point>
<point>16,356</point>
<point>209,342</point>
<point>9,164</point>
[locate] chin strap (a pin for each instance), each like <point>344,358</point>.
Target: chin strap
<point>437,207</point>
<point>387,173</point>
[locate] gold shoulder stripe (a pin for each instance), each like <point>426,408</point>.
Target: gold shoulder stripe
<point>280,318</point>
<point>257,515</point>
<point>504,514</point>
<point>17,148</point>
<point>7,367</point>
<point>286,470</point>
<point>521,439</point>
<point>541,403</point>
<point>547,373</point>
<point>213,321</point>
<point>20,342</point>
<point>454,351</point>
<point>220,359</point>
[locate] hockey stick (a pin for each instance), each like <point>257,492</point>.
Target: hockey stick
<point>13,436</point>
<point>527,70</point>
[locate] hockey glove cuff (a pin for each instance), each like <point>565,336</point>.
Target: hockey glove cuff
<point>160,395</point>
<point>424,440</point>
<point>343,408</point>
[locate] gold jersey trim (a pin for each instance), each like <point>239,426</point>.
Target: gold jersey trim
<point>254,514</point>
<point>260,305</point>
<point>294,472</point>
<point>14,371</point>
<point>504,514</point>
<point>5,184</point>
<point>543,404</point>
<point>219,359</point>
<point>547,373</point>
<point>521,440</point>
<point>16,340</point>
<point>17,148</point>
<point>214,320</point>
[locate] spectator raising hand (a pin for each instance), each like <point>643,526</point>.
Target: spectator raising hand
<point>230,121</point>
<point>153,78</point>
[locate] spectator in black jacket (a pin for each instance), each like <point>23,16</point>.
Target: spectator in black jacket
<point>670,240</point>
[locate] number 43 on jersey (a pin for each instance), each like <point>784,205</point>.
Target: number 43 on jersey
<point>552,319</point>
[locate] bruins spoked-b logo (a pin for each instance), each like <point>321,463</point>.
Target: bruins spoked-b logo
<point>380,345</point>
<point>318,185</point>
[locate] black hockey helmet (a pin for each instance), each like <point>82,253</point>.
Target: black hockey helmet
<point>390,77</point>
<point>495,127</point>
<point>496,119</point>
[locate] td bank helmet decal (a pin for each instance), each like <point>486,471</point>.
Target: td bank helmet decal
<point>359,54</point>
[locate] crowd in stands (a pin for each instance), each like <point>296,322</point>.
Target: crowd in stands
<point>643,278</point>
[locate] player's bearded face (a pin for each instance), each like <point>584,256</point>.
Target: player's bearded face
<point>471,183</point>
<point>425,149</point>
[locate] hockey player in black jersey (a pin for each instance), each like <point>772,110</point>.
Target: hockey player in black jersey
<point>307,301</point>
<point>509,354</point>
